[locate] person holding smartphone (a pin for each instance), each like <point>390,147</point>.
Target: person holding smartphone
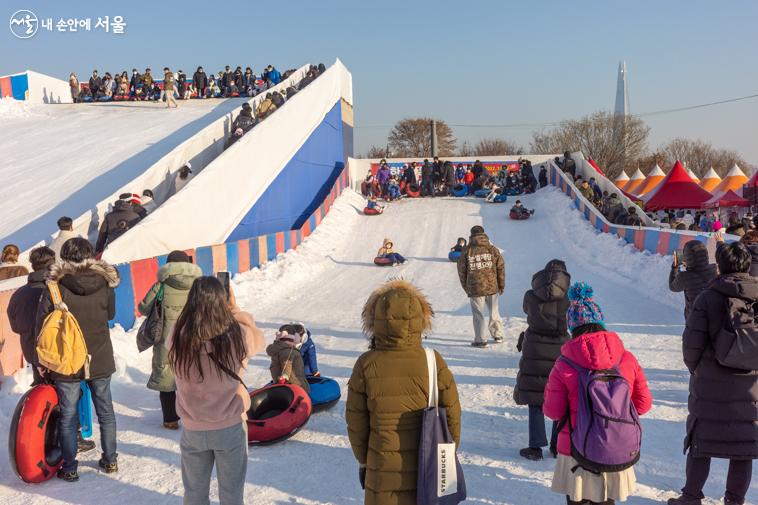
<point>691,273</point>
<point>209,349</point>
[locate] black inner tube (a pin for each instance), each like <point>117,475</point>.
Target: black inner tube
<point>270,402</point>
<point>53,453</point>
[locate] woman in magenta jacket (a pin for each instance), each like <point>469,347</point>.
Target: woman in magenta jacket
<point>593,347</point>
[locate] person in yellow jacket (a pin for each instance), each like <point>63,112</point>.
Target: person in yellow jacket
<point>388,391</point>
<point>387,251</point>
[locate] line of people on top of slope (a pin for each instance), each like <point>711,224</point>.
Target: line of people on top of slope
<point>228,83</point>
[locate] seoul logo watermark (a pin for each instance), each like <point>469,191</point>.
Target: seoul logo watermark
<point>24,24</point>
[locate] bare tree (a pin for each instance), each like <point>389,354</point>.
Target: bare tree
<point>701,155</point>
<point>376,152</point>
<point>413,138</point>
<point>597,136</point>
<point>496,147</point>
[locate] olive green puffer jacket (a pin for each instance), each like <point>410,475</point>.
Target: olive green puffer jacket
<point>388,391</point>
<point>177,279</point>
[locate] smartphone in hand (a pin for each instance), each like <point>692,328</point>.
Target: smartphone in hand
<point>225,279</point>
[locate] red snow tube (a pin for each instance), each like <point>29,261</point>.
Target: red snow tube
<point>382,262</point>
<point>522,217</point>
<point>276,413</point>
<point>412,191</point>
<point>371,212</point>
<point>33,436</point>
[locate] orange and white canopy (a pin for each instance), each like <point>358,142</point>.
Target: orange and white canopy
<point>734,181</point>
<point>693,175</point>
<point>621,180</point>
<point>635,182</point>
<point>651,181</point>
<point>710,180</point>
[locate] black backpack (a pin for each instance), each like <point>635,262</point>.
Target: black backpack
<point>736,344</point>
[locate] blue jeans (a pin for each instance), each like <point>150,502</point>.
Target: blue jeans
<point>537,435</point>
<point>395,257</point>
<point>68,424</point>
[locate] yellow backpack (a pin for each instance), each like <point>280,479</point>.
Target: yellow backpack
<point>60,344</point>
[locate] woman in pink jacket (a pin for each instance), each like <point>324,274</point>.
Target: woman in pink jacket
<point>209,350</point>
<point>594,348</point>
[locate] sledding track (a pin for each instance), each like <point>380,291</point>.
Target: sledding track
<point>324,284</point>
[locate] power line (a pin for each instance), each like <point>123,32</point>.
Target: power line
<point>558,123</point>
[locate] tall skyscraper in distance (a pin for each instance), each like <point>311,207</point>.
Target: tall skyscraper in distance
<point>622,91</point>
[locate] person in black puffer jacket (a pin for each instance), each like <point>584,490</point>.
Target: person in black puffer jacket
<point>545,306</point>
<point>117,222</point>
<point>87,288</point>
<point>750,239</point>
<point>22,307</point>
<point>723,419</point>
<point>695,277</point>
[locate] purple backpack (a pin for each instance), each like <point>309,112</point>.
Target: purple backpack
<point>607,434</point>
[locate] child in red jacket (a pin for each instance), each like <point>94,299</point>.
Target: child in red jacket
<point>595,348</point>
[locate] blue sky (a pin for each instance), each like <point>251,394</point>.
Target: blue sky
<point>466,62</point>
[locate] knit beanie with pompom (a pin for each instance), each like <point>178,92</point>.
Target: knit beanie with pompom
<point>582,308</point>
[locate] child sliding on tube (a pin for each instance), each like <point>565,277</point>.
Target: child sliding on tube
<point>286,361</point>
<point>520,210</point>
<point>372,204</point>
<point>494,193</point>
<point>386,251</point>
<point>306,347</point>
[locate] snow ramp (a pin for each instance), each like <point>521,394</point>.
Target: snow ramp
<point>269,181</point>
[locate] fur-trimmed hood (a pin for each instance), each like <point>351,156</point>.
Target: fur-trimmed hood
<point>89,268</point>
<point>396,315</point>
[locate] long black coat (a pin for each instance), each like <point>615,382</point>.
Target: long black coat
<point>696,277</point>
<point>87,290</point>
<point>116,223</point>
<point>723,402</point>
<point>545,306</point>
<point>22,313</point>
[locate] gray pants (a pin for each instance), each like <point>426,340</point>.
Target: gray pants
<point>228,449</point>
<point>480,326</point>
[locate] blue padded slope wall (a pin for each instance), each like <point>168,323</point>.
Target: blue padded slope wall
<point>301,185</point>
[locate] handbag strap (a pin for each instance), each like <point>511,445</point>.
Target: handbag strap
<point>431,367</point>
<point>55,296</point>
<point>227,371</point>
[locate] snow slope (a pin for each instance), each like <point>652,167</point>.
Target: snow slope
<point>63,159</point>
<point>324,284</point>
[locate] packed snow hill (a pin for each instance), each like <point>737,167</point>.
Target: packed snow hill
<point>115,142</point>
<point>324,284</point>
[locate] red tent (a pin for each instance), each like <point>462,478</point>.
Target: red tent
<point>677,191</point>
<point>594,165</point>
<point>727,199</point>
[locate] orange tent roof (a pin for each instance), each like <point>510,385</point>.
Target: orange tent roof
<point>733,180</point>
<point>637,179</point>
<point>710,180</point>
<point>653,179</point>
<point>621,180</point>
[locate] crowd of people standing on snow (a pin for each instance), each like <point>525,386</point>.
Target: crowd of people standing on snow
<point>440,178</point>
<point>145,86</point>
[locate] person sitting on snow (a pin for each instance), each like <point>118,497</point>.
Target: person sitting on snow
<point>520,210</point>
<point>393,189</point>
<point>458,247</point>
<point>495,191</point>
<point>306,346</point>
<point>372,204</point>
<point>286,361</point>
<point>387,251</point>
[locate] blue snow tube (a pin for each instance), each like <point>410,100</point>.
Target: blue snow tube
<point>481,193</point>
<point>513,192</point>
<point>460,190</point>
<point>500,198</point>
<point>454,255</point>
<point>325,392</point>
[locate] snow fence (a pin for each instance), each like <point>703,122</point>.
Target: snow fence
<point>644,238</point>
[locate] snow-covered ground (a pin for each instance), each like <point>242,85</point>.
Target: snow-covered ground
<point>324,284</point>
<point>62,159</point>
